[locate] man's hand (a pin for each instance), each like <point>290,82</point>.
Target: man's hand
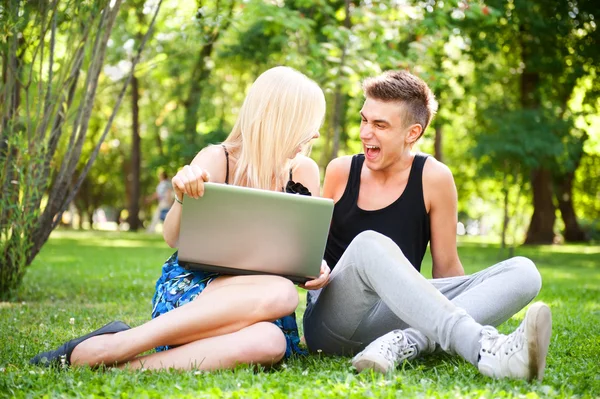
<point>319,282</point>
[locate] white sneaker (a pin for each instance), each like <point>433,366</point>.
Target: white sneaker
<point>385,353</point>
<point>521,354</point>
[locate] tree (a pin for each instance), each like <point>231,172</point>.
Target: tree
<point>52,59</point>
<point>211,26</point>
<point>540,51</point>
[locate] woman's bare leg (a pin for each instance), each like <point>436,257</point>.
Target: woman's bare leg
<point>262,343</point>
<point>227,305</point>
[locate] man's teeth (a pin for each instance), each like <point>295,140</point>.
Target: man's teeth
<point>371,147</point>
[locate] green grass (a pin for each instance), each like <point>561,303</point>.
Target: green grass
<point>96,277</point>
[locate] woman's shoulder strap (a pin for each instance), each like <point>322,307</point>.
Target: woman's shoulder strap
<point>226,164</point>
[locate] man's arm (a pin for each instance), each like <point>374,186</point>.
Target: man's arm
<point>210,160</point>
<point>439,192</point>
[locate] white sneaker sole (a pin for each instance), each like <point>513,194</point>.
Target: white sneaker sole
<point>371,362</point>
<point>539,329</point>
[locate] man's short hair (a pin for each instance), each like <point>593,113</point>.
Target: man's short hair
<point>418,101</point>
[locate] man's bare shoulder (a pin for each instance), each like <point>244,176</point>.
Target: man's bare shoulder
<point>339,167</point>
<point>438,185</point>
<point>435,172</point>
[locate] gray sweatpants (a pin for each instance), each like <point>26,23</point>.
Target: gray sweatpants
<point>374,289</point>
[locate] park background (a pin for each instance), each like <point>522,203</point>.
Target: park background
<point>97,97</point>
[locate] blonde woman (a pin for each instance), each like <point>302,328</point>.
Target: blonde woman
<point>205,320</point>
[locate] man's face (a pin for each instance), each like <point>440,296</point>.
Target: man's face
<point>382,133</point>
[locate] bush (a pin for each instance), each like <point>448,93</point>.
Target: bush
<point>19,207</point>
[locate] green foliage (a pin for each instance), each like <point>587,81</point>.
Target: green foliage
<point>520,137</point>
<point>265,32</point>
<point>587,195</point>
<point>533,59</point>
<point>96,277</point>
<point>19,212</point>
<point>470,52</point>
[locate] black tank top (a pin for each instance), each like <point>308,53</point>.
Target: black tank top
<point>405,221</point>
<point>291,186</point>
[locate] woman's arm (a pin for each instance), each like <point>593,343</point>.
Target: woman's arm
<point>208,165</point>
<point>307,173</point>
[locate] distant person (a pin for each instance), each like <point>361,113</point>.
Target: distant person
<point>389,204</point>
<point>164,195</point>
<point>205,320</point>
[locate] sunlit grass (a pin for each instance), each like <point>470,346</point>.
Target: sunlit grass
<point>93,277</point>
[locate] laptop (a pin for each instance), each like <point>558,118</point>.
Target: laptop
<point>240,231</point>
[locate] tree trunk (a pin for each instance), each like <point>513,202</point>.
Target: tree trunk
<point>159,142</point>
<point>192,104</point>
<point>336,120</point>
<point>505,219</point>
<point>339,98</point>
<point>564,195</point>
<point>62,193</point>
<point>541,228</point>
<point>134,175</point>
<point>437,144</point>
<point>11,102</point>
<point>53,211</point>
<point>200,75</point>
<point>90,216</point>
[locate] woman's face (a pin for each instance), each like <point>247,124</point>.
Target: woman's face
<point>305,142</point>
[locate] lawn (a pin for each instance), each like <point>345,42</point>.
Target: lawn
<point>81,280</point>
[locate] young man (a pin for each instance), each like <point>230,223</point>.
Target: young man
<point>389,203</point>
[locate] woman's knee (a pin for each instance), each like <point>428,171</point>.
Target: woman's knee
<point>268,345</point>
<point>280,297</point>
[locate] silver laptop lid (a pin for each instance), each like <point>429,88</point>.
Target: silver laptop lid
<point>239,230</point>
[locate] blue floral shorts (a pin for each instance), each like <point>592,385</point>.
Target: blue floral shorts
<point>178,286</point>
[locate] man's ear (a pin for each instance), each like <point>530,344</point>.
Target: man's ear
<point>414,132</point>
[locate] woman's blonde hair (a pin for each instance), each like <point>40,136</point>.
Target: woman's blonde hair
<point>282,111</point>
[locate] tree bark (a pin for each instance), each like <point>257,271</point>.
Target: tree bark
<point>192,104</point>
<point>61,193</point>
<point>506,218</point>
<point>339,98</point>
<point>46,225</point>
<point>200,75</point>
<point>159,142</point>
<point>11,103</point>
<point>541,228</point>
<point>133,178</point>
<point>90,216</point>
<point>437,143</point>
<point>564,190</point>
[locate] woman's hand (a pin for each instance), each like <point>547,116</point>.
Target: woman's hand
<point>190,181</point>
<point>319,282</point>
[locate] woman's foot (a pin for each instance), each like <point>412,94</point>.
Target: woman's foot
<point>62,355</point>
